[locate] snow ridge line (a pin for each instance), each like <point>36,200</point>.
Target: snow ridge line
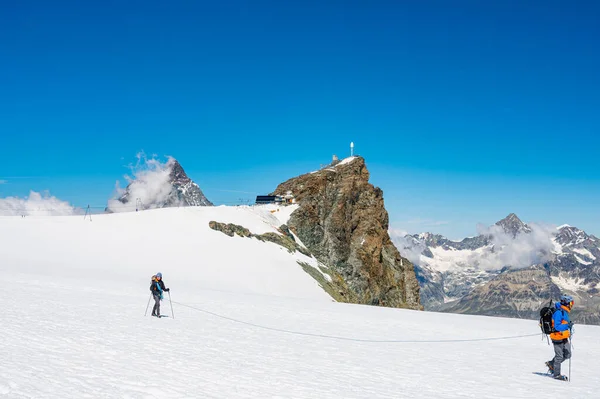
<point>354,339</point>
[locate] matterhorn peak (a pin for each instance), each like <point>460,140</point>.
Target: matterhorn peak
<point>161,185</point>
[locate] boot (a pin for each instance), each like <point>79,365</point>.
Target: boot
<point>550,365</point>
<point>561,378</point>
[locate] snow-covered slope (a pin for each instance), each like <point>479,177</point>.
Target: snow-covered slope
<point>69,337</point>
<point>248,322</point>
<point>177,241</point>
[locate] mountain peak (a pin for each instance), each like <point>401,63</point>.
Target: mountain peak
<point>572,236</point>
<point>513,225</point>
<point>342,220</point>
<point>177,171</point>
<point>166,186</point>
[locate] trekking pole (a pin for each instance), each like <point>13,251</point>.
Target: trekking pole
<point>570,357</point>
<point>146,312</point>
<point>173,314</point>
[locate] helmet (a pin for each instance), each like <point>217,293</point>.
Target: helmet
<point>159,275</point>
<point>566,300</point>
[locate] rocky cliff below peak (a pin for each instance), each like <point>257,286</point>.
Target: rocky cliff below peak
<point>343,222</point>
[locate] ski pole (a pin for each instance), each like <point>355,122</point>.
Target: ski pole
<point>173,314</point>
<point>146,312</point>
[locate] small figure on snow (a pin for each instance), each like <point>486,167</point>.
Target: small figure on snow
<point>561,332</point>
<point>157,287</point>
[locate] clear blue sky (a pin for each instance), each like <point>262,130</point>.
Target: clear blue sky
<point>464,110</point>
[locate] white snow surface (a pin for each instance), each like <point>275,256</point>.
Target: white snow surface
<point>138,244</point>
<point>584,252</point>
<point>583,262</point>
<point>452,259</point>
<point>247,324</point>
<point>346,161</point>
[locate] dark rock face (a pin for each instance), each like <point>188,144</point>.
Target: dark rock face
<point>343,222</point>
<point>230,229</point>
<point>515,293</point>
<point>431,289</point>
<point>180,191</point>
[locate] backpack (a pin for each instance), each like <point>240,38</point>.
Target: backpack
<point>546,314</point>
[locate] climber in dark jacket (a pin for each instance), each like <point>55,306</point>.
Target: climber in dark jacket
<point>157,287</point>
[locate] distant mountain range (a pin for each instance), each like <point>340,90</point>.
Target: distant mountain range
<point>511,269</point>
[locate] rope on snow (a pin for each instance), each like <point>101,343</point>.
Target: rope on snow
<point>353,339</point>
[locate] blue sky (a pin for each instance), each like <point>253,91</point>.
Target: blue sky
<point>465,111</point>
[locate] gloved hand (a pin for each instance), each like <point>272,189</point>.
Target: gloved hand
<point>570,325</point>
<point>167,289</point>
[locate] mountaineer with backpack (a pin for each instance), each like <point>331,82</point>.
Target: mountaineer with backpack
<point>557,324</point>
<point>157,287</point>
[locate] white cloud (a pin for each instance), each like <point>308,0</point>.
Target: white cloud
<point>521,251</point>
<point>36,204</point>
<point>524,250</point>
<point>407,246</point>
<point>149,184</point>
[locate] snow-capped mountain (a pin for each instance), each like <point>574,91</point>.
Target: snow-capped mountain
<point>169,187</point>
<point>576,262</point>
<point>509,269</point>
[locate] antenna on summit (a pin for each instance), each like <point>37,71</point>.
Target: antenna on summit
<point>352,148</point>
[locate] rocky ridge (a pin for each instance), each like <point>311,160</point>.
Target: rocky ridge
<point>343,222</point>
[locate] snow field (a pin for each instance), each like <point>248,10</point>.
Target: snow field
<point>73,322</point>
<point>138,244</point>
<point>70,338</point>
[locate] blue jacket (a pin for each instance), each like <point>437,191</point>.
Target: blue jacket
<point>560,321</point>
<point>157,287</point>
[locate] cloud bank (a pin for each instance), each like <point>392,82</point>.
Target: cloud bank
<point>36,204</point>
<point>148,184</point>
<point>408,246</point>
<point>523,250</point>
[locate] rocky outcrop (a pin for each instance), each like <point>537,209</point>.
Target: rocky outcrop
<point>343,222</point>
<point>283,239</point>
<point>230,229</point>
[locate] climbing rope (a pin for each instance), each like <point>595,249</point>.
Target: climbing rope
<point>306,334</point>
